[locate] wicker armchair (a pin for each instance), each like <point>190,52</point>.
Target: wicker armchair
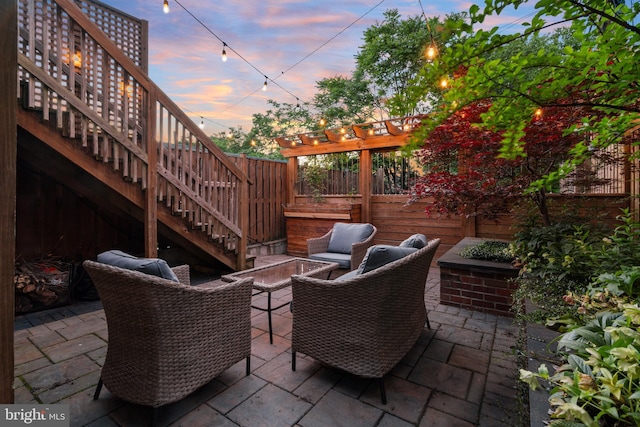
<point>365,324</point>
<point>167,339</point>
<point>352,247</point>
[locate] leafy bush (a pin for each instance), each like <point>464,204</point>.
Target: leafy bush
<point>555,260</point>
<point>489,250</point>
<point>600,383</point>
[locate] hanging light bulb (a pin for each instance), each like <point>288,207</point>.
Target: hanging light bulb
<point>165,6</point>
<point>323,122</point>
<point>224,52</point>
<point>431,52</point>
<point>264,86</point>
<point>201,125</point>
<point>444,83</point>
<point>253,142</point>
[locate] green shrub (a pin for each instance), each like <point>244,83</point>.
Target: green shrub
<point>600,383</point>
<point>489,250</point>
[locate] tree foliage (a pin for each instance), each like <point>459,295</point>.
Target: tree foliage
<point>597,70</point>
<point>392,54</point>
<point>466,176</point>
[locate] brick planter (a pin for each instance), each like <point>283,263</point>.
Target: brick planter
<point>476,285</point>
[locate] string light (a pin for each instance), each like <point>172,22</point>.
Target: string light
<point>224,52</point>
<point>165,6</point>
<point>264,86</point>
<point>201,125</point>
<point>431,52</point>
<point>444,83</point>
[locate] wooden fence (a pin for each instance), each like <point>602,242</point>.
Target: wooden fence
<point>267,197</point>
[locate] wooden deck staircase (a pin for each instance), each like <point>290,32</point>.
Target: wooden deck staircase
<point>84,93</point>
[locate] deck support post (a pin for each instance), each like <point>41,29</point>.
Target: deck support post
<point>8,165</point>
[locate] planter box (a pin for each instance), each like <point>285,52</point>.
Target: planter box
<point>484,286</point>
<point>305,221</point>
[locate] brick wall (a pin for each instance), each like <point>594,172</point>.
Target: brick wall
<point>474,290</point>
<point>476,285</point>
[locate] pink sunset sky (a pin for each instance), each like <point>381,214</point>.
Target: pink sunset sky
<point>273,36</point>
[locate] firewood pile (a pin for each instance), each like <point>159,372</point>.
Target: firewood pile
<point>41,284</point>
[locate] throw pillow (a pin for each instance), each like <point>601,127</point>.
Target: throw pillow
<point>417,241</point>
<point>379,255</point>
<point>153,266</point>
<point>346,234</point>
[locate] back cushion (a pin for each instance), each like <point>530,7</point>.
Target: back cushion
<point>153,266</point>
<point>344,235</point>
<point>417,241</point>
<point>379,255</point>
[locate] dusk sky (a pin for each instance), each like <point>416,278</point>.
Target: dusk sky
<point>272,36</point>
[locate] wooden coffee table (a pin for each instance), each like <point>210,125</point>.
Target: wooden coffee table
<point>273,277</point>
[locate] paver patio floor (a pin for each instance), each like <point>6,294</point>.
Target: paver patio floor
<point>461,372</point>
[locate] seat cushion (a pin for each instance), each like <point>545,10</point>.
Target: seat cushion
<point>379,255</point>
<point>154,266</point>
<point>345,234</point>
<point>343,259</point>
<point>417,241</point>
<point>347,276</point>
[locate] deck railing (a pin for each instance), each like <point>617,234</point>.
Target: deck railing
<point>92,87</point>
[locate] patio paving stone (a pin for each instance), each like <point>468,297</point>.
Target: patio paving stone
<point>270,406</point>
<point>75,347</point>
<point>336,409</point>
<point>52,376</point>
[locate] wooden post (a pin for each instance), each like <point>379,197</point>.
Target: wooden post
<point>292,177</point>
<point>8,158</point>
<point>243,211</point>
<point>151,199</point>
<point>365,184</point>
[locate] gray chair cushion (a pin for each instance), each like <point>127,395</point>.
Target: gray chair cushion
<point>417,241</point>
<point>343,259</point>
<point>379,255</point>
<point>153,266</point>
<point>344,235</point>
<point>347,276</point>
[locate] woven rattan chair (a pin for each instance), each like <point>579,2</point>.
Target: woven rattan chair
<point>342,235</point>
<point>366,324</point>
<point>167,339</point>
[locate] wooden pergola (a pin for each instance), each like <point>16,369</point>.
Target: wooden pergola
<point>363,138</point>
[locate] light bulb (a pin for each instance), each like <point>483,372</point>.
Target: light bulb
<point>224,52</point>
<point>444,83</point>
<point>264,86</point>
<point>165,6</point>
<point>431,52</point>
<point>201,125</point>
<point>253,142</point>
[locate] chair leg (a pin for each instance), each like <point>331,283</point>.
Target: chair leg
<point>248,365</point>
<point>428,324</point>
<point>293,360</point>
<point>98,389</point>
<point>383,393</point>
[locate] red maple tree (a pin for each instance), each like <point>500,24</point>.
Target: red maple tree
<point>464,174</point>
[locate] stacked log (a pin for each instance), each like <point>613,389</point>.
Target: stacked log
<point>40,285</point>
